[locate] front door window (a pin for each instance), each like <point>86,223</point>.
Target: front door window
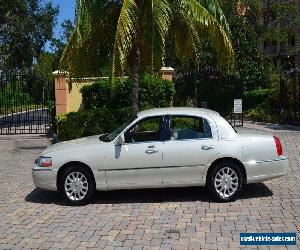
<point>146,130</point>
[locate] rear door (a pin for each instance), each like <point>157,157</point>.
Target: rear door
<point>188,149</point>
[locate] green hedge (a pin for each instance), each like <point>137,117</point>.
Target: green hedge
<point>256,97</point>
<point>261,113</point>
<point>105,110</point>
<point>154,92</point>
<point>90,122</point>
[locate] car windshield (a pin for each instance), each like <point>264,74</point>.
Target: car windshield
<point>110,137</point>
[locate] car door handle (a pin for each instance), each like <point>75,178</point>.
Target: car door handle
<point>151,151</point>
<point>207,147</point>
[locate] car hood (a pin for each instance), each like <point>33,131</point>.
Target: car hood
<point>74,144</point>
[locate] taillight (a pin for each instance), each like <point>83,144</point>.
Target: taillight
<point>278,145</point>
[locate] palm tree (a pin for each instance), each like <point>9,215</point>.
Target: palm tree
<point>144,25</point>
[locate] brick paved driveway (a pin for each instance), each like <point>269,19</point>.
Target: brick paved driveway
<point>171,218</point>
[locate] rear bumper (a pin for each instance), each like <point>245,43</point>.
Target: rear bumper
<point>44,178</point>
<point>258,171</point>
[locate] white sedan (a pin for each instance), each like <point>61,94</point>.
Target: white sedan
<point>169,147</point>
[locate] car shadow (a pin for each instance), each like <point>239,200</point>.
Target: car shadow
<point>187,194</point>
<point>256,190</point>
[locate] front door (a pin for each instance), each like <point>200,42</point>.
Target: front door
<point>136,164</point>
<point>189,147</point>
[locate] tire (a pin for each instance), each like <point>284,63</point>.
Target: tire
<point>77,185</point>
<point>225,181</point>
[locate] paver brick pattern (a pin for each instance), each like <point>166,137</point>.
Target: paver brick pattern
<point>177,218</point>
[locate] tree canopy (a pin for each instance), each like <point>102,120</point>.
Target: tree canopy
<point>90,47</point>
<point>106,30</point>
<point>251,67</point>
<point>140,34</point>
<point>25,28</point>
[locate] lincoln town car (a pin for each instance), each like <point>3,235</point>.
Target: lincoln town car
<point>160,148</point>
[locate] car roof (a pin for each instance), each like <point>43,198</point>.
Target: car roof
<point>177,111</point>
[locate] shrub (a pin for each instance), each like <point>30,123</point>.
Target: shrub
<point>154,92</point>
<point>262,105</point>
<point>104,111</point>
<point>90,122</point>
<point>263,112</point>
<point>255,97</point>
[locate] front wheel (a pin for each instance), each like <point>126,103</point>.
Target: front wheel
<point>77,185</point>
<point>225,181</point>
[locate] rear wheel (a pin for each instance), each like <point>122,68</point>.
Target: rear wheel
<point>225,181</point>
<point>77,185</point>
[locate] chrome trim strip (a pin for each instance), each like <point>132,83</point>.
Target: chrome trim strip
<point>282,158</point>
<point>43,170</point>
<point>120,169</point>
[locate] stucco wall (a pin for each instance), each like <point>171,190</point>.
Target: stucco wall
<point>67,91</point>
<point>74,97</point>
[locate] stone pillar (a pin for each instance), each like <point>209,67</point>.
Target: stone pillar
<point>167,73</point>
<point>61,88</point>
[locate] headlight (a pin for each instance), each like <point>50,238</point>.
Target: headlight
<point>44,161</point>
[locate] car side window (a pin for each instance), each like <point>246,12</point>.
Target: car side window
<point>188,127</point>
<point>148,129</point>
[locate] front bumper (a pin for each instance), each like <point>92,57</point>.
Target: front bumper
<point>44,178</point>
<point>259,171</point>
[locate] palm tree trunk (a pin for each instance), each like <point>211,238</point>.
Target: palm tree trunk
<point>136,78</point>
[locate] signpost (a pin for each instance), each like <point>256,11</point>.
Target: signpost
<point>237,111</point>
<point>238,106</point>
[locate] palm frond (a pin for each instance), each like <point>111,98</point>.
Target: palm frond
<point>127,29</point>
<point>84,16</point>
<point>202,24</point>
<point>89,49</point>
<point>192,21</point>
<point>215,9</point>
<point>161,18</point>
<point>183,38</point>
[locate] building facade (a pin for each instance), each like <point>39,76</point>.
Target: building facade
<point>287,55</point>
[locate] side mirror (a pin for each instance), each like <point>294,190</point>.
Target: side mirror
<point>120,140</point>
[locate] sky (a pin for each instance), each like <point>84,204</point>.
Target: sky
<point>66,11</point>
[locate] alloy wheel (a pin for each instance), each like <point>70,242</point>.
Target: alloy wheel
<point>226,182</point>
<point>76,186</point>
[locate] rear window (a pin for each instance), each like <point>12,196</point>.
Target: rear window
<point>187,127</point>
<point>225,130</point>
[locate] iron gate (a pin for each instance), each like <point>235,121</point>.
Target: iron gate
<point>207,88</point>
<point>26,104</point>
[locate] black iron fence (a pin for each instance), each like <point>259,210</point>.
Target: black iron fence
<point>207,88</point>
<point>26,104</point>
